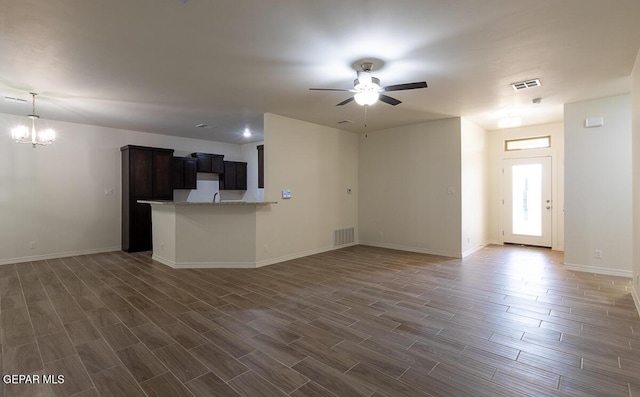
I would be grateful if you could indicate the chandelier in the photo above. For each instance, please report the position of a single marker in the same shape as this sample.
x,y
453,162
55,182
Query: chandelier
x,y
24,134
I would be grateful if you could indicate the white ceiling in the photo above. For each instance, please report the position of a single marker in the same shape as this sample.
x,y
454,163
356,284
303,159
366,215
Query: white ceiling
x,y
163,66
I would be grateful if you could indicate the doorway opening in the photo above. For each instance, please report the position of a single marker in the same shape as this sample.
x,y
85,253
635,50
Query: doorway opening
x,y
527,201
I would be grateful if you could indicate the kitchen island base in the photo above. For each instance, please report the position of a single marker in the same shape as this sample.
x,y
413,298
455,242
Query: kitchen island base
x,y
205,235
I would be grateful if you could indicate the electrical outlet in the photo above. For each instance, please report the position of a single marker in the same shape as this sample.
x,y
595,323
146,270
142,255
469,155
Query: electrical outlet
x,y
265,249
32,245
597,254
380,235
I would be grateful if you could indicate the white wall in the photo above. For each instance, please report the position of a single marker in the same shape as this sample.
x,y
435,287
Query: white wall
x,y
635,100
475,187
317,164
598,194
54,195
410,184
497,155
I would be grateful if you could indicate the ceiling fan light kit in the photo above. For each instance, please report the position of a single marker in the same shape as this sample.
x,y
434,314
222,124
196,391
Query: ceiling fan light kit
x,y
367,87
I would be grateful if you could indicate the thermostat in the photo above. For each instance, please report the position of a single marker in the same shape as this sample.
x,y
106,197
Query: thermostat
x,y
286,194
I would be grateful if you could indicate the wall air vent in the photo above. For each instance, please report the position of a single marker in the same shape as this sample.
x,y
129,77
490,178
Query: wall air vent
x,y
344,236
521,85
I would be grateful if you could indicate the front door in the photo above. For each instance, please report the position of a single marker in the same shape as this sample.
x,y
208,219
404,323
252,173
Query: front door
x,y
527,201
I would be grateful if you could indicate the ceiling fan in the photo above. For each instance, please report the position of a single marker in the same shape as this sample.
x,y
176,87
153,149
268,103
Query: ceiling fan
x,y
368,91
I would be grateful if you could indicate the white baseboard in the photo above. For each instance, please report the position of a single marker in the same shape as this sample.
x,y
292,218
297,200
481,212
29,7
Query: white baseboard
x,y
599,270
636,299
203,265
472,250
244,265
412,249
301,254
57,255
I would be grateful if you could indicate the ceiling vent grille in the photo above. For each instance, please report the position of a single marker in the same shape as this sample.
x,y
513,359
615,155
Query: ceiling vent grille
x,y
14,99
521,85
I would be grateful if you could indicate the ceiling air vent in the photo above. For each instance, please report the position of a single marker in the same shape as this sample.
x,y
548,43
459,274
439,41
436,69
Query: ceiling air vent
x,y
345,122
203,125
521,85
14,99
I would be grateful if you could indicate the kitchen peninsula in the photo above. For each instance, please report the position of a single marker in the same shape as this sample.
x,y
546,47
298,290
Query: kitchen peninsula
x,y
205,234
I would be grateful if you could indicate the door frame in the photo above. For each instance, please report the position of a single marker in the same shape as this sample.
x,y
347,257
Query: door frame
x,y
551,194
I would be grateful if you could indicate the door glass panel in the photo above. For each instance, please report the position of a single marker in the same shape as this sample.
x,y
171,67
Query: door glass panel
x,y
527,199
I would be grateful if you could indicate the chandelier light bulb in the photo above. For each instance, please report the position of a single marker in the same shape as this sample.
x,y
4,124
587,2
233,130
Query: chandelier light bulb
x,y
19,133
47,136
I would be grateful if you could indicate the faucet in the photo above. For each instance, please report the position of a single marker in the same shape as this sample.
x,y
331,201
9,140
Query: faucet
x,y
214,197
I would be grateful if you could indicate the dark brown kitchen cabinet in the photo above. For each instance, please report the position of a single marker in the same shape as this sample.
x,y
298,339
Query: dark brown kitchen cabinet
x,y
235,176
146,175
260,166
210,163
184,173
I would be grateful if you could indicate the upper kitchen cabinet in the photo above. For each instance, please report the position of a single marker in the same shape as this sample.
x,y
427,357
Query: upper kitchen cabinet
x,y
260,166
235,176
211,163
146,175
184,173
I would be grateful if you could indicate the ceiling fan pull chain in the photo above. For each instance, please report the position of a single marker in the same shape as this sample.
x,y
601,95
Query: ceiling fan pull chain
x,y
365,115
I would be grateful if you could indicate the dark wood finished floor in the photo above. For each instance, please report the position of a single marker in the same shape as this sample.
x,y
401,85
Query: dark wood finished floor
x,y
361,321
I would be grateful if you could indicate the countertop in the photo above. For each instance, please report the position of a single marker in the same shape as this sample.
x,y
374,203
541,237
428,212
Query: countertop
x,y
228,202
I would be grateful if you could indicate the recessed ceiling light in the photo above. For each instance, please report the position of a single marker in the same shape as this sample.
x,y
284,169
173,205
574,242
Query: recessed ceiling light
x,y
246,133
509,122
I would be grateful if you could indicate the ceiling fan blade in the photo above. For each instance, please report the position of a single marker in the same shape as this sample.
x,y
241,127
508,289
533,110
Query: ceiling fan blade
x,y
330,89
345,101
407,86
389,100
